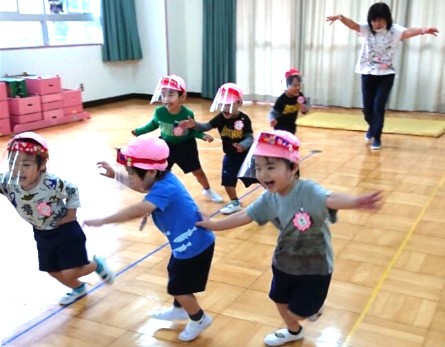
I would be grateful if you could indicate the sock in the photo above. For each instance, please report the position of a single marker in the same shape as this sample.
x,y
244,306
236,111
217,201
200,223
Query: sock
x,y
235,202
80,288
197,316
99,268
293,332
176,304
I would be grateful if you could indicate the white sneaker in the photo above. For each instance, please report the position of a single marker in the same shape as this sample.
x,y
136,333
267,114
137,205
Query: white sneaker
x,y
106,274
171,314
231,208
194,328
317,315
212,195
72,296
280,337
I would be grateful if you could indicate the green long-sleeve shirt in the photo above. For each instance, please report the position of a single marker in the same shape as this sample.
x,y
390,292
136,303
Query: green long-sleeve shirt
x,y
168,124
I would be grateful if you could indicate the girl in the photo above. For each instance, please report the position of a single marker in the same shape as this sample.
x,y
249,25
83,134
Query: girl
x,y
175,214
49,204
302,263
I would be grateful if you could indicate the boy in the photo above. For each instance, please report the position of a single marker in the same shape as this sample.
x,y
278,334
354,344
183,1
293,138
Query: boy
x,y
181,142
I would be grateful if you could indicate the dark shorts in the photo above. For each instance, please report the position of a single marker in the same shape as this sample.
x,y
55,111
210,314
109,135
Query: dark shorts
x,y
304,294
230,167
188,276
61,248
185,155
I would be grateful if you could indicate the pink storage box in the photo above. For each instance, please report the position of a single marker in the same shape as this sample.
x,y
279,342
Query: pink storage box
x,y
18,128
43,85
19,106
71,97
48,106
73,109
3,91
26,118
50,97
53,114
4,109
5,126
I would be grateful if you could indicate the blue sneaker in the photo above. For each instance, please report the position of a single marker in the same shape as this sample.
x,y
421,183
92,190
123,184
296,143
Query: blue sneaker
x,y
368,136
376,145
103,270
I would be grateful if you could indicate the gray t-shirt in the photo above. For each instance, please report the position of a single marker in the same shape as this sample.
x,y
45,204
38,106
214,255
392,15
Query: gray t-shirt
x,y
307,252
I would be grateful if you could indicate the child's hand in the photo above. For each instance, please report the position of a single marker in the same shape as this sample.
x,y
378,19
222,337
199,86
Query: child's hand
x,y
332,19
189,123
94,222
369,201
273,122
133,133
208,138
238,147
109,172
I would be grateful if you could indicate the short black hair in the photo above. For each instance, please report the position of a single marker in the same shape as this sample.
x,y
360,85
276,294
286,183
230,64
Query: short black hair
x,y
380,10
290,79
141,173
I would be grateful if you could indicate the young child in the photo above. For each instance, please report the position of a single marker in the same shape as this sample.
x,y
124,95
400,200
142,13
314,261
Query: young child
x,y
235,129
284,113
302,263
175,213
181,142
49,204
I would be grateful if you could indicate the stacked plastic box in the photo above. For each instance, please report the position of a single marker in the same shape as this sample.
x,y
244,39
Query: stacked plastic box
x,y
47,104
5,123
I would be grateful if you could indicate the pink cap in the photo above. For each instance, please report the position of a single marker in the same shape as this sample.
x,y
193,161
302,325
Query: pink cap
x,y
229,93
144,152
16,145
278,144
173,82
292,72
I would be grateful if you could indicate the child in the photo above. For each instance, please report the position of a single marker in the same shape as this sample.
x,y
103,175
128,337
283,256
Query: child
x,y
235,129
175,214
376,61
49,204
284,113
181,142
302,263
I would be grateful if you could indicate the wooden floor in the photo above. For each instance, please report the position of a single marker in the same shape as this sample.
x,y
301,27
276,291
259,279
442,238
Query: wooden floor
x,y
388,287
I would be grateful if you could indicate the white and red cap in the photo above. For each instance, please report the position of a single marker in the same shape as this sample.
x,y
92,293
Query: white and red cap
x,y
172,82
144,152
18,143
278,144
227,94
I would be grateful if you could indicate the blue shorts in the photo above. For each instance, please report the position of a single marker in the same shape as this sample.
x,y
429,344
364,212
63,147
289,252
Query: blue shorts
x,y
61,248
188,276
185,155
304,294
230,167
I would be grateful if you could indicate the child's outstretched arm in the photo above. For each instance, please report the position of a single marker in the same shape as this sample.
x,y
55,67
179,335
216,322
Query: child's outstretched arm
x,y
230,222
138,210
369,201
411,32
109,171
346,21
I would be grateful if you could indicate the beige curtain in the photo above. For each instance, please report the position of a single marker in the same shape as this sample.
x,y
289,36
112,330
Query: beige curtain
x,y
274,35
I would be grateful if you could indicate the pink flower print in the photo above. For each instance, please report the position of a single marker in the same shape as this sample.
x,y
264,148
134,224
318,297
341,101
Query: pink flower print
x,y
44,209
302,221
238,125
178,131
301,99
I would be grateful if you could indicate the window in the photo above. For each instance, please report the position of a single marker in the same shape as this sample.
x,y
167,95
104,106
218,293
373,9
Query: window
x,y
33,23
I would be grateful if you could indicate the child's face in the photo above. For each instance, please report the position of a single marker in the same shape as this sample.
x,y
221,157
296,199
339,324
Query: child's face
x,y
231,110
274,174
138,184
24,167
293,89
171,100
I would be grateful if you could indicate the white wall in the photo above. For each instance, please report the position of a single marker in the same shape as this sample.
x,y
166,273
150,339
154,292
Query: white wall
x,y
83,64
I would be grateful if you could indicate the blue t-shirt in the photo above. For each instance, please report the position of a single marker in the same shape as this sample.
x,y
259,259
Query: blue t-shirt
x,y
176,215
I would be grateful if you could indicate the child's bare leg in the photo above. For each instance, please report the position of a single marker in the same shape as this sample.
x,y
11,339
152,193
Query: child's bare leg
x,y
189,303
291,320
202,178
70,277
231,192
